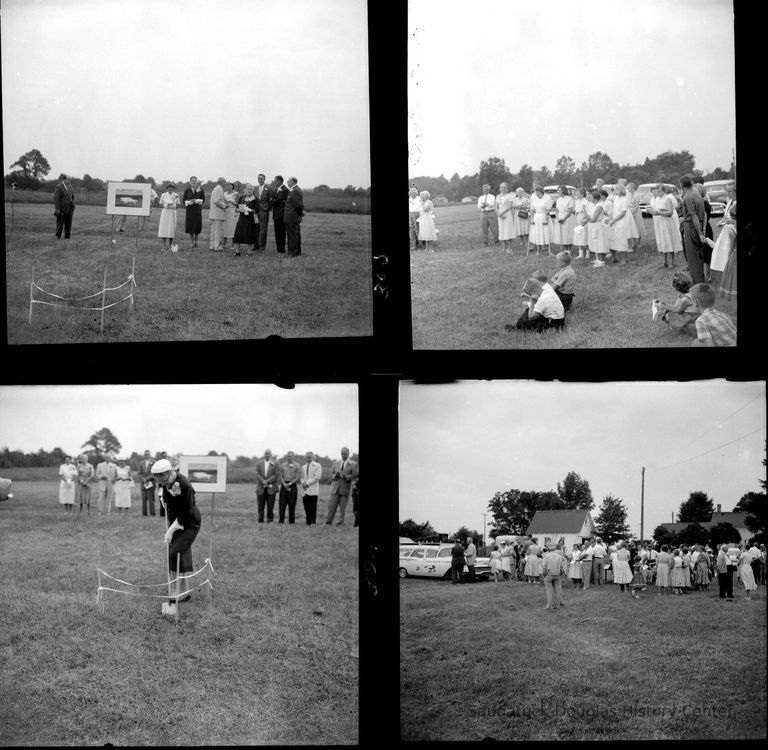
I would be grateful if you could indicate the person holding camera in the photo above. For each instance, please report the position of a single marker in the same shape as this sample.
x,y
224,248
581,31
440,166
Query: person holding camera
x,y
64,207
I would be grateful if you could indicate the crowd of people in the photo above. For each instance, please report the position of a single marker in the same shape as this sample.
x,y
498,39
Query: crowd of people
x,y
112,482
634,568
237,221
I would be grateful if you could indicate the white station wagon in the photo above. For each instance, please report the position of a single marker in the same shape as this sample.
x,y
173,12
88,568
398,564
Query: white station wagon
x,y
434,561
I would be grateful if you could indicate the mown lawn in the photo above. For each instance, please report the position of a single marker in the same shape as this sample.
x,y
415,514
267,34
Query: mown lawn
x,y
271,656
191,295
463,294
486,660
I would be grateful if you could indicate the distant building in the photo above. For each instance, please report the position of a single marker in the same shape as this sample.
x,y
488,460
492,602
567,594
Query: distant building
x,y
572,526
469,199
736,519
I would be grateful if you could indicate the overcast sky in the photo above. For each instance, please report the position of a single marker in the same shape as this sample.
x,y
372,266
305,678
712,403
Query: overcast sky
x,y
531,82
240,420
179,87
461,443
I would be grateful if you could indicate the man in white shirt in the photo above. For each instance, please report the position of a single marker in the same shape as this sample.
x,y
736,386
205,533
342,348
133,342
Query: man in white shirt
x,y
551,572
586,563
414,209
310,474
217,214
545,310
486,204
470,555
106,475
598,555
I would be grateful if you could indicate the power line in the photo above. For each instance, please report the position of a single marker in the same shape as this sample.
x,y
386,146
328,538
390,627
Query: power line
x,y
711,450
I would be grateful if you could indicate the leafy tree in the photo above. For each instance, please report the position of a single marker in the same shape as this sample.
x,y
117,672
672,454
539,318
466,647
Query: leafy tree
x,y
463,532
513,510
322,188
543,176
101,442
525,177
494,172
723,532
575,492
565,170
698,507
417,531
33,164
755,505
662,535
611,521
693,533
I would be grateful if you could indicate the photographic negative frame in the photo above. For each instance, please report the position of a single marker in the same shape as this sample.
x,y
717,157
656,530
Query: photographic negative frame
x,y
205,473
129,198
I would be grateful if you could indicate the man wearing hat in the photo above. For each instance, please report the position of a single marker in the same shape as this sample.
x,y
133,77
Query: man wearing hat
x,y
106,475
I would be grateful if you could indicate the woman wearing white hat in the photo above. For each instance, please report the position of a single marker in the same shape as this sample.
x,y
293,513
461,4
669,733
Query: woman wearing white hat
x,y
178,496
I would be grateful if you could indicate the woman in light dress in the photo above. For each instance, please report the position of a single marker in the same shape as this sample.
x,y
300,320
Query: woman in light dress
x,y
574,568
723,260
504,212
565,219
522,224
619,225
746,574
68,473
636,226
606,201
167,227
427,231
85,472
230,215
541,204
123,485
580,231
532,569
622,573
495,563
663,562
677,573
508,561
665,226
701,574
595,235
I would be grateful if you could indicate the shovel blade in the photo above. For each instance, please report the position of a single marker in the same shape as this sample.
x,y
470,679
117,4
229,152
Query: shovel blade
x,y
169,609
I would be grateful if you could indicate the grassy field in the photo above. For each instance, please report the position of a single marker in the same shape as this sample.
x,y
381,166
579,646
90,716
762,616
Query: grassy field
x,y
192,295
486,660
270,656
464,294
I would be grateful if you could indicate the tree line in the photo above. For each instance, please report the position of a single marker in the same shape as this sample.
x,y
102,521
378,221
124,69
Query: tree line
x,y
513,510
668,167
33,167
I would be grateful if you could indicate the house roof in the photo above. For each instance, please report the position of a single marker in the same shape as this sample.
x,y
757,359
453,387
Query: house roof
x,y
562,521
737,520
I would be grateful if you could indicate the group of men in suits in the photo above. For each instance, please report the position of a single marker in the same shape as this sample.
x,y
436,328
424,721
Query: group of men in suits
x,y
283,199
285,478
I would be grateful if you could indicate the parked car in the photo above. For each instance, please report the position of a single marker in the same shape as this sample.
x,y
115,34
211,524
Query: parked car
x,y
434,561
718,208
717,190
644,194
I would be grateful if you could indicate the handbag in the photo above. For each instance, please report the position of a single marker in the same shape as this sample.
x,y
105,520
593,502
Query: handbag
x,y
522,213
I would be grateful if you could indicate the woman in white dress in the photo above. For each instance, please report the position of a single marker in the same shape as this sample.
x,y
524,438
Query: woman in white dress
x,y
427,231
520,207
595,234
580,232
622,572
619,224
540,207
504,212
67,472
746,574
665,226
574,568
565,219
636,226
606,201
532,569
167,228
123,485
230,219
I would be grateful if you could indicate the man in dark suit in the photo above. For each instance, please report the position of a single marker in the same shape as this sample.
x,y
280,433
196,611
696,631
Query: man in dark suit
x,y
64,205
148,485
342,474
267,483
277,203
264,194
292,215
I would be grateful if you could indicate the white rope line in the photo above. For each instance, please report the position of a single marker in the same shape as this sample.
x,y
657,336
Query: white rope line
x,y
130,280
69,307
206,564
157,596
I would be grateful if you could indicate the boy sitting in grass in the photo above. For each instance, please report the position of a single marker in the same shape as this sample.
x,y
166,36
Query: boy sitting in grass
x,y
563,281
544,309
713,328
680,315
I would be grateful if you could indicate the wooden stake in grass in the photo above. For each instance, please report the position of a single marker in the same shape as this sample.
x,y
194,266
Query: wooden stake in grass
x,y
103,299
31,294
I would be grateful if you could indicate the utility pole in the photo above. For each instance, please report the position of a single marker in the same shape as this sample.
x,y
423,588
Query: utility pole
x,y
484,515
642,502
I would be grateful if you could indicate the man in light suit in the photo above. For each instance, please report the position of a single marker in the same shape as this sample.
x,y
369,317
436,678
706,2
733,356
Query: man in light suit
x,y
342,474
264,194
217,213
148,485
309,475
292,215
267,485
277,203
64,207
106,475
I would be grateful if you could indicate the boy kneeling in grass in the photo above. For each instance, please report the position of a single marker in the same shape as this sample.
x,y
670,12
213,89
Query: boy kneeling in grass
x,y
563,281
680,315
713,328
543,309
